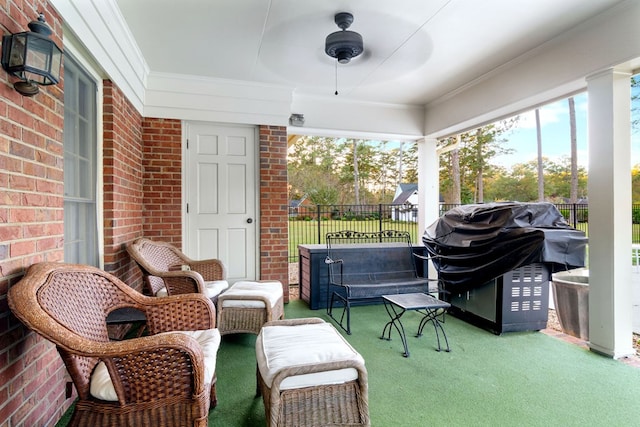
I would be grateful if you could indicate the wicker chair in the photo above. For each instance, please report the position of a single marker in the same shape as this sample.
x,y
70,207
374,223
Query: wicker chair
x,y
167,271
159,379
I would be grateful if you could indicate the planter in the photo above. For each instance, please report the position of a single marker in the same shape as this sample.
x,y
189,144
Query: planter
x,y
571,299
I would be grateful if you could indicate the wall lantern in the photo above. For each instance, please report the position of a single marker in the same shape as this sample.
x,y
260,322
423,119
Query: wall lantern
x,y
32,57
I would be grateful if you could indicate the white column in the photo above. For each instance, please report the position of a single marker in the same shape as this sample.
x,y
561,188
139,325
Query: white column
x,y
428,184
610,296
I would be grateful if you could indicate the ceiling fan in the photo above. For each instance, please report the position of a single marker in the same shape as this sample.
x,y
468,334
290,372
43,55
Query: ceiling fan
x,y
343,45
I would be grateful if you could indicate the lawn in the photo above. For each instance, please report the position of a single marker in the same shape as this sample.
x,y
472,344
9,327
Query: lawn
x,y
312,231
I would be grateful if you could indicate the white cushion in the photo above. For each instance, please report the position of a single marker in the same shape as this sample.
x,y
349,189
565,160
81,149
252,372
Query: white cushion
x,y
102,387
270,290
212,289
280,347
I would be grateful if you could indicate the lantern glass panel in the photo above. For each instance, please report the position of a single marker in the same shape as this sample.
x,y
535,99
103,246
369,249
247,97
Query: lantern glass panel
x,y
18,46
56,63
38,59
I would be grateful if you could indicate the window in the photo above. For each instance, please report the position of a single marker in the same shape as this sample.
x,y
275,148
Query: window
x,y
80,165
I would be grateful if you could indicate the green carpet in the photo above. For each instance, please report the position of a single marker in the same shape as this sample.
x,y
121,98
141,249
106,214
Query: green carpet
x,y
517,379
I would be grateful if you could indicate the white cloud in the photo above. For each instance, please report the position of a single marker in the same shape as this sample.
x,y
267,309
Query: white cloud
x,y
551,113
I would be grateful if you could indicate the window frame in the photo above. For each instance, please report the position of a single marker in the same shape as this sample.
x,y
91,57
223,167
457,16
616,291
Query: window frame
x,y
82,61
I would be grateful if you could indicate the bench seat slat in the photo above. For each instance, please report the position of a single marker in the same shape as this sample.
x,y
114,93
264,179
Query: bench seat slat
x,y
376,290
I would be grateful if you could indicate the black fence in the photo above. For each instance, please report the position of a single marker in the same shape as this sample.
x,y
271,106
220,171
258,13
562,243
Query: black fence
x,y
309,224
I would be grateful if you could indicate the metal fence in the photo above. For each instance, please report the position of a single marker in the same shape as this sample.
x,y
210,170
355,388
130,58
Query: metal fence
x,y
310,224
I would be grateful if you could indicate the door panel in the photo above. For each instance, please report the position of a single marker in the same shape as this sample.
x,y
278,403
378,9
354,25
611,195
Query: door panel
x,y
220,191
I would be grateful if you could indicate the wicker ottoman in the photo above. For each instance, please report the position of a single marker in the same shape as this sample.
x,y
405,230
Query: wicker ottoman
x,y
309,375
246,306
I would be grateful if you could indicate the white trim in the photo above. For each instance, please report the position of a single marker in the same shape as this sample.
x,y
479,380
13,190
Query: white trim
x,y
197,98
329,116
258,212
99,26
331,133
554,70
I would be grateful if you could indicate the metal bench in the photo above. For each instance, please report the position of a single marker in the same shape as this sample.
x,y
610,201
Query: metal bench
x,y
361,277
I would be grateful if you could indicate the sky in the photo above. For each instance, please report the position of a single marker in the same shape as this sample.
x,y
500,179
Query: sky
x,y
556,136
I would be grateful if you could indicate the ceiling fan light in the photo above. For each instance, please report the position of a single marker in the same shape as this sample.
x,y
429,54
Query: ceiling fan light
x,y
344,56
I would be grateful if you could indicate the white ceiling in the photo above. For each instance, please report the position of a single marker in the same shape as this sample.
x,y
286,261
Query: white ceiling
x,y
416,51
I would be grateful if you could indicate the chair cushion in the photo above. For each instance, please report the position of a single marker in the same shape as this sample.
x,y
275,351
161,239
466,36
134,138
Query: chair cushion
x,y
209,340
270,290
281,347
212,289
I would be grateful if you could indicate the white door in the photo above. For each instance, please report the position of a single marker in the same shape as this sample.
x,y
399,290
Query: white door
x,y
220,191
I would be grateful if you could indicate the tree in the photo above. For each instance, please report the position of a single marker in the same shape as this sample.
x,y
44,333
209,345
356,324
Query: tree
x,y
635,184
573,194
410,162
399,181
540,167
356,176
312,168
518,184
359,170
455,174
635,103
476,150
558,179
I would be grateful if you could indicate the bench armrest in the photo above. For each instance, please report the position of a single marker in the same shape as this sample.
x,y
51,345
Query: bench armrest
x,y
328,260
441,288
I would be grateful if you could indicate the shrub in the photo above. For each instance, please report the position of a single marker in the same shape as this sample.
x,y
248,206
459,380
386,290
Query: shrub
x,y
583,215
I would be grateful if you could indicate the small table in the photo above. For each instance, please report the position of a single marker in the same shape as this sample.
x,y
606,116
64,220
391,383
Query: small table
x,y
428,306
127,315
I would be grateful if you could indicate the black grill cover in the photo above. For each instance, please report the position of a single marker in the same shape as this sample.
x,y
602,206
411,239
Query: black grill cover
x,y
473,244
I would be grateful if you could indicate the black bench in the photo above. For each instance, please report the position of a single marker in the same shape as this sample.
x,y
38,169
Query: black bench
x,y
364,277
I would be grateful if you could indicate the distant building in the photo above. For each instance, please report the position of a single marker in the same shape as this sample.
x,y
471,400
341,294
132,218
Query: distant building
x,y
296,204
405,203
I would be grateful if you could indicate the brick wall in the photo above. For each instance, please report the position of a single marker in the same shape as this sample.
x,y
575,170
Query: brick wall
x,y
32,376
163,180
123,183
142,197
274,228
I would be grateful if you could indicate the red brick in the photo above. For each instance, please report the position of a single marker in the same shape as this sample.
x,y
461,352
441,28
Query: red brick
x,y
22,248
10,232
18,182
